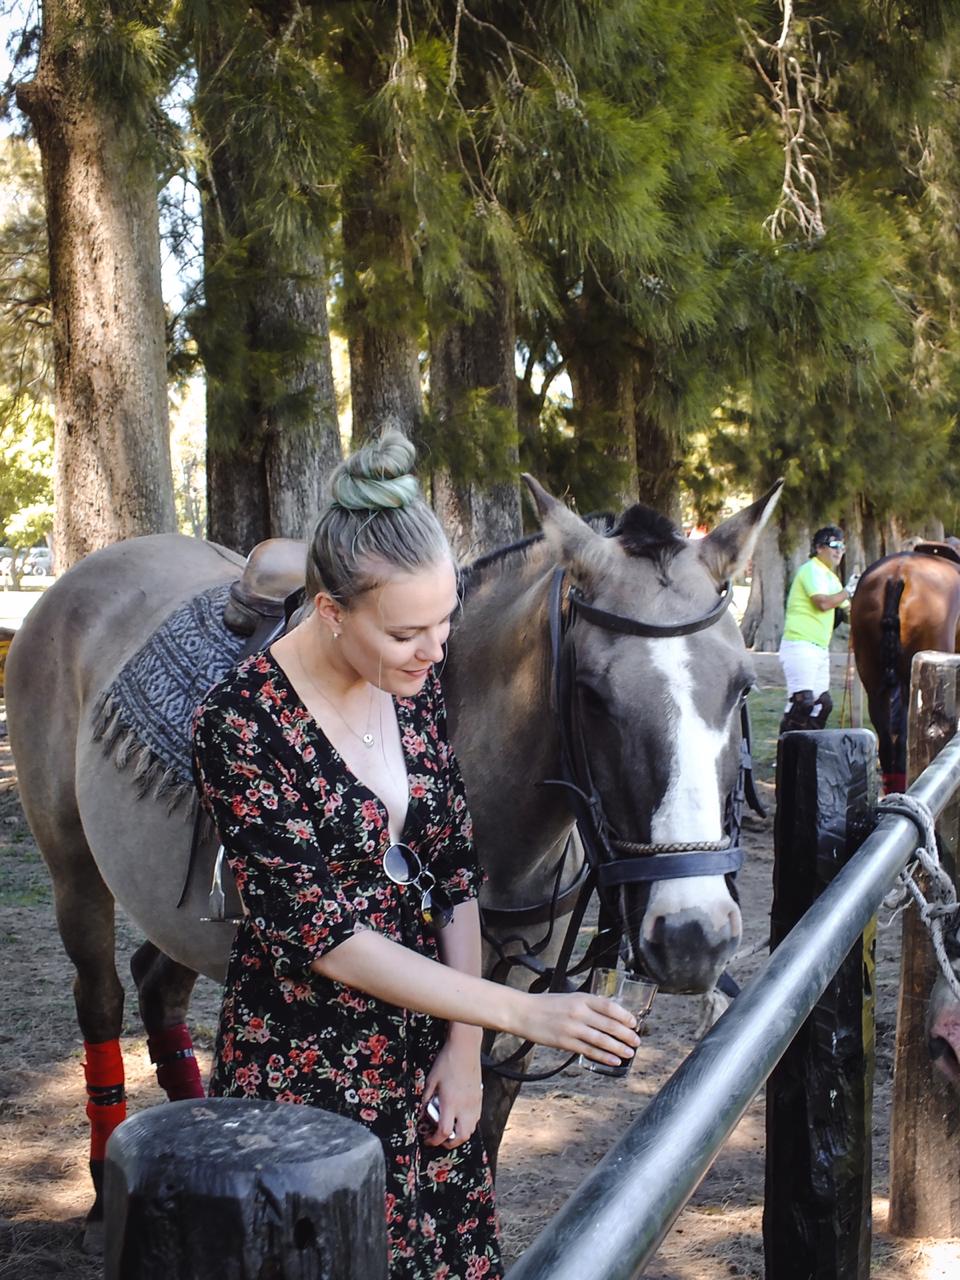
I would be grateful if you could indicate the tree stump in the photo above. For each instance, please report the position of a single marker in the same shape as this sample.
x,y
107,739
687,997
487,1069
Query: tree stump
x,y
925,1124
243,1190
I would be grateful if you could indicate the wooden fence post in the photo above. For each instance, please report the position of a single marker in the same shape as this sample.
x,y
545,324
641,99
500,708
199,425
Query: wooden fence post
x,y
817,1204
240,1190
925,1127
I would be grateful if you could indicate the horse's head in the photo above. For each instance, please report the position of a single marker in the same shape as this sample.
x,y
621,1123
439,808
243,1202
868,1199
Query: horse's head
x,y
657,717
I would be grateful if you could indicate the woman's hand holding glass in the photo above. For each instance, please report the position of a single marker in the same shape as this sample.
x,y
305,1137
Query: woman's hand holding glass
x,y
597,1027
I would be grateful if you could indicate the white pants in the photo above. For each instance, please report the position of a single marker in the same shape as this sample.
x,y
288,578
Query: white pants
x,y
805,666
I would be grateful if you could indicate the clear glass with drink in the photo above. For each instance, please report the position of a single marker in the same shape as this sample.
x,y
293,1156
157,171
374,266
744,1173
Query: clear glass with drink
x,y
635,994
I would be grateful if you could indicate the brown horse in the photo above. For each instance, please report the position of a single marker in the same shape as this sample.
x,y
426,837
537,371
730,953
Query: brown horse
x,y
903,604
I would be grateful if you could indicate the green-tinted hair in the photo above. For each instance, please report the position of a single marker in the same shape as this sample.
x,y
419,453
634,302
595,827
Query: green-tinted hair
x,y
376,516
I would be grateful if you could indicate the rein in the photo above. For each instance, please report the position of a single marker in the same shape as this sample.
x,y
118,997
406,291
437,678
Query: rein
x,y
602,870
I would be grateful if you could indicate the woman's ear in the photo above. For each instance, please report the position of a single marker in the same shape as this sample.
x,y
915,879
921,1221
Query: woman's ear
x,y
329,611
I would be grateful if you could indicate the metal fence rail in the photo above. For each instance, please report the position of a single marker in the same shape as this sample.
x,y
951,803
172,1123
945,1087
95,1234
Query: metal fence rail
x,y
612,1225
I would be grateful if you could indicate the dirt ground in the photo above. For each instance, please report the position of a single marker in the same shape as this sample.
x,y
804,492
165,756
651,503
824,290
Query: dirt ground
x,y
558,1130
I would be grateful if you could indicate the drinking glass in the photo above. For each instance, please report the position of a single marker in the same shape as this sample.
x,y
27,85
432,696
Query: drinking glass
x,y
636,996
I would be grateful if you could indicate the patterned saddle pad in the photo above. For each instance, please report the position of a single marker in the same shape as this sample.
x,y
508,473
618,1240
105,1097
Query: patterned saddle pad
x,y
143,718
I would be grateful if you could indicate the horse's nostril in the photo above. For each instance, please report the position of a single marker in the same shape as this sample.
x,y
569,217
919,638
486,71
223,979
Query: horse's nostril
x,y
938,1048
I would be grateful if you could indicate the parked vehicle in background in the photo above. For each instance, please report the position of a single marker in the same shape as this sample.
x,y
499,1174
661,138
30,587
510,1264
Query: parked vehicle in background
x,y
39,562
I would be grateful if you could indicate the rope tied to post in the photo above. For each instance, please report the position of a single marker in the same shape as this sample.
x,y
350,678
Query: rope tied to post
x,y
941,907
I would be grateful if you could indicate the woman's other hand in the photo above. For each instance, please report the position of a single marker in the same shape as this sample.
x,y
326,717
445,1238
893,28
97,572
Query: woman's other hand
x,y
454,1080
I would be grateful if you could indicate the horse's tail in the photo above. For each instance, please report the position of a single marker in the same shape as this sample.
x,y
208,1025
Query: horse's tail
x,y
893,759
890,632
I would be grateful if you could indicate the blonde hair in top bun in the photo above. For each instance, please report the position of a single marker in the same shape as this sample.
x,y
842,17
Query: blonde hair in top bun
x,y
376,516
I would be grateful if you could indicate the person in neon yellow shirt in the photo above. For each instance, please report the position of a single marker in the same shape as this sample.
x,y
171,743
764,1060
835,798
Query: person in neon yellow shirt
x,y
805,649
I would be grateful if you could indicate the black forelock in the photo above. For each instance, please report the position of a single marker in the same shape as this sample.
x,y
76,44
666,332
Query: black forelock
x,y
642,531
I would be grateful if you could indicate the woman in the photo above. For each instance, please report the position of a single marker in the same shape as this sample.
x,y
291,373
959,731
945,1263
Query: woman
x,y
354,979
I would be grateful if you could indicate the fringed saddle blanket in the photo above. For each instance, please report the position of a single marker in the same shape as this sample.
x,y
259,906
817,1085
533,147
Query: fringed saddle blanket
x,y
144,717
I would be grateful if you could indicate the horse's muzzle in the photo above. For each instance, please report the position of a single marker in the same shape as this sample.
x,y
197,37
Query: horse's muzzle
x,y
688,950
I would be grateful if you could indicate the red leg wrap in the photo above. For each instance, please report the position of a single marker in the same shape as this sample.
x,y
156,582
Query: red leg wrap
x,y
106,1101
171,1051
894,782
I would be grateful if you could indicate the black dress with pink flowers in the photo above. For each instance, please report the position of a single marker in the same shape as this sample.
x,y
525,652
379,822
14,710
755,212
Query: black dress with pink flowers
x,y
305,839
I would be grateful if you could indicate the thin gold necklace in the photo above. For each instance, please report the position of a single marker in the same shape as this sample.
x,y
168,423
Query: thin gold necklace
x,y
367,739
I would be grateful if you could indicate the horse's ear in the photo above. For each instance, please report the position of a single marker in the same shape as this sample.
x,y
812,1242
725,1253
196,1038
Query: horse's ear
x,y
730,545
576,545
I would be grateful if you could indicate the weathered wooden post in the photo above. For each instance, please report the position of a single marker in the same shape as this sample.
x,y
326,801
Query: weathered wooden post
x,y
243,1190
925,1128
816,1217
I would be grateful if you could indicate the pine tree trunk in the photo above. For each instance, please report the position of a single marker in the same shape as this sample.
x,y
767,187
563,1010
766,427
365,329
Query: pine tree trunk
x,y
658,468
601,369
658,452
605,414
384,353
872,542
855,560
467,357
762,625
382,308
801,537
273,436
267,463
892,536
112,472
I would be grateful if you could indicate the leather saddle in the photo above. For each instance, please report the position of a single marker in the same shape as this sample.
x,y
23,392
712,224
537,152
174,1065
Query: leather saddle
x,y
942,550
258,600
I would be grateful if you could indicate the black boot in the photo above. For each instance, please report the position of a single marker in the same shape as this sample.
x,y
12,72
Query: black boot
x,y
819,721
798,715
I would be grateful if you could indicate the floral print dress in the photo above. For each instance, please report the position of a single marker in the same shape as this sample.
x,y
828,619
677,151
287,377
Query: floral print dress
x,y
304,839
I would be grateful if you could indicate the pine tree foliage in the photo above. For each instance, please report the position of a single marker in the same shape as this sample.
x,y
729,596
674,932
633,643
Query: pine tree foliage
x,y
846,350
25,369
617,167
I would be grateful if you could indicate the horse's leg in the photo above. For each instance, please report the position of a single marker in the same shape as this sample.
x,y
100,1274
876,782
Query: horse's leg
x,y
85,917
164,988
499,1095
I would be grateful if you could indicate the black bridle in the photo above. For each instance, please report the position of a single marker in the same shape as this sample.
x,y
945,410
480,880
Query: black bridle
x,y
603,871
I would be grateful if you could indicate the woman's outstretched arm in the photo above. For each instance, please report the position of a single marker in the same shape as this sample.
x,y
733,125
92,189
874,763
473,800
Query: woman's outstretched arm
x,y
577,1023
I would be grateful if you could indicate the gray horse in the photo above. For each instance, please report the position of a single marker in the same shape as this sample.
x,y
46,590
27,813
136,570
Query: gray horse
x,y
659,719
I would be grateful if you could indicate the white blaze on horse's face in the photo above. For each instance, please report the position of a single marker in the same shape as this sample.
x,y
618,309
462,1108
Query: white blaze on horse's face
x,y
691,810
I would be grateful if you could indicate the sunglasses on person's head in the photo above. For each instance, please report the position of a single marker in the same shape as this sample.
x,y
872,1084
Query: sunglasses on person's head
x,y
402,865
835,544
